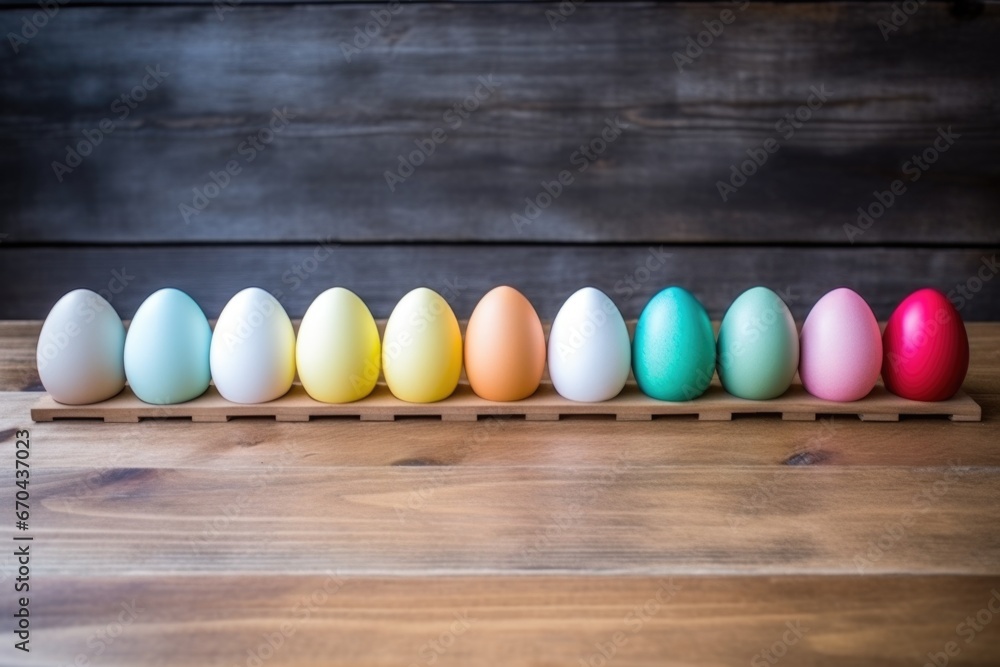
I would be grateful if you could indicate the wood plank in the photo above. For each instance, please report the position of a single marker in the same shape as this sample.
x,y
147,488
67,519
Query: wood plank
x,y
750,441
18,370
540,620
465,406
420,520
547,275
503,442
323,176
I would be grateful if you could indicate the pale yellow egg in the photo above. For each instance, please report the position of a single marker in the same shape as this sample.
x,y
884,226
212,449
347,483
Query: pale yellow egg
x,y
338,351
422,348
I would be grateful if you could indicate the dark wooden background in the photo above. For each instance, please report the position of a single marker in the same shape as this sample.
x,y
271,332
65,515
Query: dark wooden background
x,y
651,194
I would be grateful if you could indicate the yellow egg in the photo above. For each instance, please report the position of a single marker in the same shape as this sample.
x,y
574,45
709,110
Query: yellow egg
x,y
422,348
338,349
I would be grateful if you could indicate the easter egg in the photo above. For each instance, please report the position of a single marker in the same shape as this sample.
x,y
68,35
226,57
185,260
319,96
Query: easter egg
x,y
80,353
253,349
504,346
673,353
758,348
926,348
589,353
338,352
840,347
422,348
167,349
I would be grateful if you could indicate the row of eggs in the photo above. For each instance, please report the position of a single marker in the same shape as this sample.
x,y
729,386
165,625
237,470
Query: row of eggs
x,y
170,354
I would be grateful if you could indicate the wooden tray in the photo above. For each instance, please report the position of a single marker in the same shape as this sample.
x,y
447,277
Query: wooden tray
x,y
544,405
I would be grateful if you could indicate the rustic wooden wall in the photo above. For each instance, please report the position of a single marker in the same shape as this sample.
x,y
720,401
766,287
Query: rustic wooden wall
x,y
312,208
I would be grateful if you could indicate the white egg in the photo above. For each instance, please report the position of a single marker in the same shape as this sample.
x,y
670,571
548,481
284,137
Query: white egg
x,y
589,350
253,349
81,349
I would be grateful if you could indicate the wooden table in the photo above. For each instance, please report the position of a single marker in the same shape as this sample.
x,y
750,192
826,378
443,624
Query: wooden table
x,y
419,542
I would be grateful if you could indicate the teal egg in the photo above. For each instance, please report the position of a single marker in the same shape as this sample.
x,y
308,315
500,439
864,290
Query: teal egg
x,y
673,352
758,346
167,349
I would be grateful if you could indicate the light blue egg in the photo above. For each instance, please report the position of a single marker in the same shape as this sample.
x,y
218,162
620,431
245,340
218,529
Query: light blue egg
x,y
167,349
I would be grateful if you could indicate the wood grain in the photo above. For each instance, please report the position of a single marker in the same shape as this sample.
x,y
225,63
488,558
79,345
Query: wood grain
x,y
544,405
419,520
547,534
541,620
323,175
546,274
749,441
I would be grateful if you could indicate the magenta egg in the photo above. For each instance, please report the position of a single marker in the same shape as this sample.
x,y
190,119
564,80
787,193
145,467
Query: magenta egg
x,y
840,347
926,348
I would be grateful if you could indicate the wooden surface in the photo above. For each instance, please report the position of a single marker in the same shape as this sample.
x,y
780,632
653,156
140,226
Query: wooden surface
x,y
544,405
323,176
509,542
33,279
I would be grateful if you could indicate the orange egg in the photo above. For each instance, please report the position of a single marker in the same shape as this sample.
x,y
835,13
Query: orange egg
x,y
504,346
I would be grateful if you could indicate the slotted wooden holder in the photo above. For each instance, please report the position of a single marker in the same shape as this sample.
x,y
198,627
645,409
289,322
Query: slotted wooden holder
x,y
544,405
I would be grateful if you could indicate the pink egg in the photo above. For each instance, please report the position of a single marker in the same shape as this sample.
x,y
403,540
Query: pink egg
x,y
840,347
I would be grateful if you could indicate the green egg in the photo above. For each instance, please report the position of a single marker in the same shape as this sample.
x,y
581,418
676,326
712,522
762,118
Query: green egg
x,y
758,346
673,352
